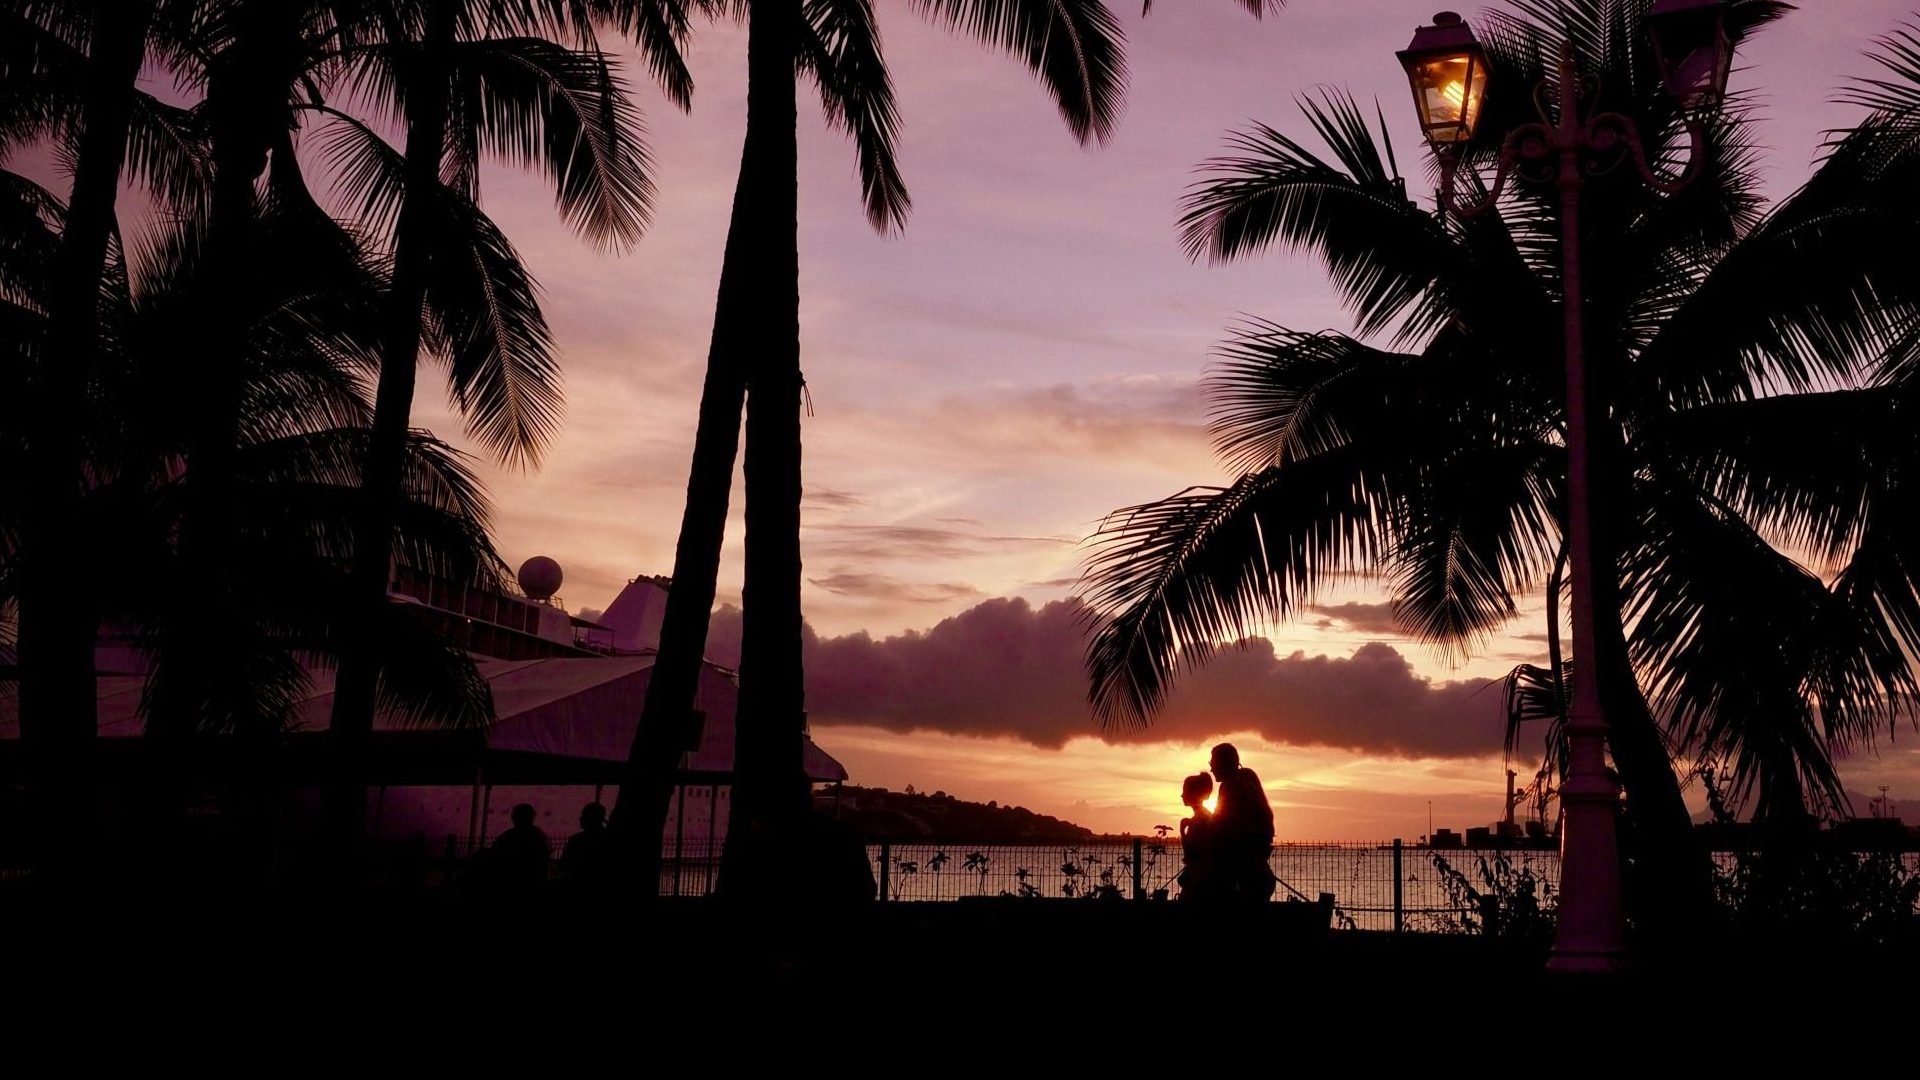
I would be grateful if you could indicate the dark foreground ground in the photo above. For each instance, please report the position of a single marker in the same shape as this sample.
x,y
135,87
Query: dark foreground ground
x,y
278,983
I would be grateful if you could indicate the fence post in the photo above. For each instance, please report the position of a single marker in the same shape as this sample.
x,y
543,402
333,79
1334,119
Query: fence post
x,y
679,832
1139,892
1399,886
886,864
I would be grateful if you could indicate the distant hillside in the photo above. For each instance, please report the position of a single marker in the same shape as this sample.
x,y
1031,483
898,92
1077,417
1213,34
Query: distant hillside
x,y
879,814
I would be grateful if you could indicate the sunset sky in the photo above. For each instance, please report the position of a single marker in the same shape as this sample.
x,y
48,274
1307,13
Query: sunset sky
x,y
1022,360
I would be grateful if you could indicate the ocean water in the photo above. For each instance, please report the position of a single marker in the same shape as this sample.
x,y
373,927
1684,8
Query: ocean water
x,y
1360,876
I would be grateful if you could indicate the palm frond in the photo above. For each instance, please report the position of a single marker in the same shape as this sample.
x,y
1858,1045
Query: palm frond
x,y
1255,8
1381,250
1279,395
167,152
367,170
1534,693
1166,581
1896,93
427,681
566,112
1472,530
1075,47
1801,303
41,72
840,48
487,324
30,222
1806,470
1747,655
662,30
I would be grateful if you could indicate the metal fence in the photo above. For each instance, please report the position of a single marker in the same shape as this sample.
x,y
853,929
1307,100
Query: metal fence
x,y
1375,886
1387,885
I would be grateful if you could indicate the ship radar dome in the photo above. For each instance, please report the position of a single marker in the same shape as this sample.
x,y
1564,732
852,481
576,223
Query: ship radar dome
x,y
540,578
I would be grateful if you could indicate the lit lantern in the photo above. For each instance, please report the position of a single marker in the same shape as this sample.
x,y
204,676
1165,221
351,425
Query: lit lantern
x,y
1448,71
1690,43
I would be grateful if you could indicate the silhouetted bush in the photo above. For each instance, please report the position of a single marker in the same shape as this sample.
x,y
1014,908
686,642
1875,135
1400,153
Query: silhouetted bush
x,y
1807,890
1497,899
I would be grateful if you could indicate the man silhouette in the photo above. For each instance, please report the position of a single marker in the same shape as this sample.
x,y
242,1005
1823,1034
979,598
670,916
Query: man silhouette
x,y
584,861
1243,828
520,855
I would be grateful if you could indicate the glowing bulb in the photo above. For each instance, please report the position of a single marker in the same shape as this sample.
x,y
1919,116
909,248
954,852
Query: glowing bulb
x,y
1455,92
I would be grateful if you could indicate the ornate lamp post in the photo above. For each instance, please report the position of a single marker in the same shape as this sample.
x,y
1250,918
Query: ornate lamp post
x,y
1449,75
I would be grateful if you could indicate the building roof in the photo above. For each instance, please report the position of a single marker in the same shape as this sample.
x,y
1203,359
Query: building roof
x,y
557,720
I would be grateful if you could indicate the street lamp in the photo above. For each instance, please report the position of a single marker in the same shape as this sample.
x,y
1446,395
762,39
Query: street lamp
x,y
1690,43
1448,70
1448,73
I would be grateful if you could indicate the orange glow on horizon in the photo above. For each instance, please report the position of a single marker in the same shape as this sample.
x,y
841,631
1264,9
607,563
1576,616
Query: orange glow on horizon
x,y
1318,793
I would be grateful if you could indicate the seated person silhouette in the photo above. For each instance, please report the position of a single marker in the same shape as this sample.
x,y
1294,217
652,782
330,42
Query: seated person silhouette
x,y
518,859
1199,880
583,862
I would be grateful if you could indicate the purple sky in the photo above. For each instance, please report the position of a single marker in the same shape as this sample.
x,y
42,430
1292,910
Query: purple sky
x,y
1021,361
1024,359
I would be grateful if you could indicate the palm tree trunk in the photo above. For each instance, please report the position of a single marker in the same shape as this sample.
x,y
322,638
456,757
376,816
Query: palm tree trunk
x,y
748,277
1669,884
1556,656
198,686
193,669
770,788
191,658
58,717
357,685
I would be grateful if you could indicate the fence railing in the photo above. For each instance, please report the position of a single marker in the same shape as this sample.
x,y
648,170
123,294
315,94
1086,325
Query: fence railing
x,y
1388,885
1375,886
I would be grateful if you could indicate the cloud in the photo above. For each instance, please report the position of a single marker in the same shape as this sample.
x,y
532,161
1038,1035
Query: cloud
x,y
1362,618
1005,668
829,499
912,542
1125,416
882,587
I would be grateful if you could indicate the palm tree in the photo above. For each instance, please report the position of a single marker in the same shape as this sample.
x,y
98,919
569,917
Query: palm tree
x,y
69,69
1437,462
304,327
255,62
1075,50
465,79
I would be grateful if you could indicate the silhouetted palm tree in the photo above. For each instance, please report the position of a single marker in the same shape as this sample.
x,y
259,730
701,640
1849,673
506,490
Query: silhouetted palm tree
x,y
304,327
1075,48
1716,325
258,65
465,79
307,337
68,68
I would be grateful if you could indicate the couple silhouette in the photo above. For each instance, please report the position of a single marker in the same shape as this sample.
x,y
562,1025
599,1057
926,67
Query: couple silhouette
x,y
1226,848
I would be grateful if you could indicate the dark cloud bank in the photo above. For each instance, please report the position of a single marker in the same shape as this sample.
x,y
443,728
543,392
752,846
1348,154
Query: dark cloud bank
x,y
1004,668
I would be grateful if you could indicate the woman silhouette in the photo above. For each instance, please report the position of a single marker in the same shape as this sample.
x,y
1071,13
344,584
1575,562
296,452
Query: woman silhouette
x,y
1199,842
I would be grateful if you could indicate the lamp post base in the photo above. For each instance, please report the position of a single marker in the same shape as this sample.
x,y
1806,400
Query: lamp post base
x,y
1581,964
1590,938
